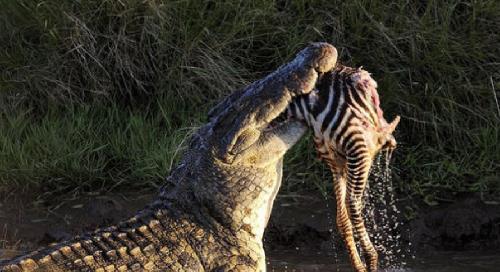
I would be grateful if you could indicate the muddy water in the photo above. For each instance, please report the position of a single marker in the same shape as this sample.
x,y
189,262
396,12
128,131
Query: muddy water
x,y
300,237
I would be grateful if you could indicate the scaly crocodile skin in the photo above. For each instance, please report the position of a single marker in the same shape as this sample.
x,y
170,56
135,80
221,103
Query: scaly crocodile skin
x,y
211,214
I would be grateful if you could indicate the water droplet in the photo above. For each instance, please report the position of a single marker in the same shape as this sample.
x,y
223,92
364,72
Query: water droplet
x,y
381,215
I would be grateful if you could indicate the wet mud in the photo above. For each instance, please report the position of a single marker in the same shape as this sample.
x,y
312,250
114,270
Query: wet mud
x,y
469,223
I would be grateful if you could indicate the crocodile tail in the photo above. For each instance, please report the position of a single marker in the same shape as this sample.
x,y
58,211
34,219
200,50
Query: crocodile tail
x,y
141,243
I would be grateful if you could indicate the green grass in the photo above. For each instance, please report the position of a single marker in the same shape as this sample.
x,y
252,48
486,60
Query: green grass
x,y
96,94
92,149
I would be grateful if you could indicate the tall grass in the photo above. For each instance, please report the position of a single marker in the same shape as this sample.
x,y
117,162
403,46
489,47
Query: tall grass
x,y
92,149
96,93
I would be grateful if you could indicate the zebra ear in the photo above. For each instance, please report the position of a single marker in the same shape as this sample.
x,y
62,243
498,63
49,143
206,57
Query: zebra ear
x,y
392,126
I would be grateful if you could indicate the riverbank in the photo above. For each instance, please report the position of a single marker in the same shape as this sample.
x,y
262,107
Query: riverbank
x,y
301,233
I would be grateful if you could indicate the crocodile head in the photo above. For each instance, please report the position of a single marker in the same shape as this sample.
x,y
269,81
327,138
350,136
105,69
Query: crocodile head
x,y
233,164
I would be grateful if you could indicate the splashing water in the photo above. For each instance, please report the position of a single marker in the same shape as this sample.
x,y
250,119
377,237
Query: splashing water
x,y
382,217
332,231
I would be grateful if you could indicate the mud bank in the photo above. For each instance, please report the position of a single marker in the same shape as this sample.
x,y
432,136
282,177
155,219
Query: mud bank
x,y
467,224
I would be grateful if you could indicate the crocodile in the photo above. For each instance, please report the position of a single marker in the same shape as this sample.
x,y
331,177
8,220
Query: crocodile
x,y
211,212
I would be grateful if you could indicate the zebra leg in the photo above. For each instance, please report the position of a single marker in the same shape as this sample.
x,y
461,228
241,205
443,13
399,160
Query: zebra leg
x,y
344,224
357,174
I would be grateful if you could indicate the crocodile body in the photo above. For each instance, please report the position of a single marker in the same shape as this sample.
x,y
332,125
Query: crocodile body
x,y
212,211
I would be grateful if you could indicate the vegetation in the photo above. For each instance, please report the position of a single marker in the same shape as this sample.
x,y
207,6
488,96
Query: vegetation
x,y
101,94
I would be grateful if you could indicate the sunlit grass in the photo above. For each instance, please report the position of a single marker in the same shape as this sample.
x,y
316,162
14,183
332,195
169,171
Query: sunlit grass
x,y
93,149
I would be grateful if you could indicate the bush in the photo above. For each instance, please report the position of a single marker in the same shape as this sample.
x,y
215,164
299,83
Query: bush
x,y
436,63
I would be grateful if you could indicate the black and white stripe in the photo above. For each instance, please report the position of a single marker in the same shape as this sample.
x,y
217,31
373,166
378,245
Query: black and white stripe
x,y
343,112
338,109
